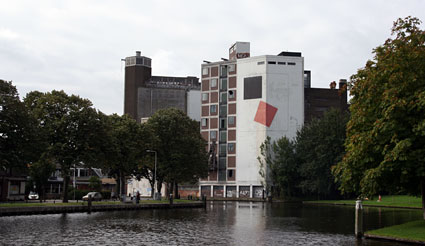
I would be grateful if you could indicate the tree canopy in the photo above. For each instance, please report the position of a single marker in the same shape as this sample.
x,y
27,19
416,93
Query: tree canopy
x,y
386,133
181,149
71,130
18,132
302,167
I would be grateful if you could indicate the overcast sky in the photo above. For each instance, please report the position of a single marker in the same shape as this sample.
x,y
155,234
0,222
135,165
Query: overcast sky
x,y
77,46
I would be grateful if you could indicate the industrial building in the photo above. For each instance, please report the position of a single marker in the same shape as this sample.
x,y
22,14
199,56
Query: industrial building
x,y
144,94
247,99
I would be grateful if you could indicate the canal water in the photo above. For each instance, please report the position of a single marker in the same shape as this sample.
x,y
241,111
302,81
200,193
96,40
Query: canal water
x,y
221,223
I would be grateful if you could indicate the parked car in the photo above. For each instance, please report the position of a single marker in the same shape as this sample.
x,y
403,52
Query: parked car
x,y
95,196
33,196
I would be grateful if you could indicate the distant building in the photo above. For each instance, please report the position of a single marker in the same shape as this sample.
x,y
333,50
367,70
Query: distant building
x,y
319,100
144,94
246,99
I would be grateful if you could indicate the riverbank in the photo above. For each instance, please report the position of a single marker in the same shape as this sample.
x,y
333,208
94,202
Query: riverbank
x,y
411,232
54,208
399,201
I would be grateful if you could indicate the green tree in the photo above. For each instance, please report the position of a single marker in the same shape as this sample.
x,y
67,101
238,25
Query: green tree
x,y
278,167
39,172
319,145
95,184
71,127
18,133
386,133
182,156
126,145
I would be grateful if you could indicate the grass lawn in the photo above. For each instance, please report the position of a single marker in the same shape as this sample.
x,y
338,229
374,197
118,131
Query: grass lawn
x,y
36,204
412,231
387,201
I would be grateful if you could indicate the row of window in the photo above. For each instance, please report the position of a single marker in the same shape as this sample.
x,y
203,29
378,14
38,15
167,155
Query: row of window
x,y
223,70
224,148
278,63
230,119
223,96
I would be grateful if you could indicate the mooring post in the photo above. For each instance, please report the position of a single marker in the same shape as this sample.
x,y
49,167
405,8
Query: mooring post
x,y
89,203
358,227
204,200
171,199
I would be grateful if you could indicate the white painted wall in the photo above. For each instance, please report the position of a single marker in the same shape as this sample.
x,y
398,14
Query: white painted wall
x,y
283,88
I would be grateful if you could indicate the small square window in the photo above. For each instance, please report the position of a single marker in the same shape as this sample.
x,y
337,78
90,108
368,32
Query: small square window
x,y
231,120
272,62
232,67
205,71
231,94
231,147
213,83
213,135
213,109
260,63
291,63
230,173
223,123
204,122
204,96
223,71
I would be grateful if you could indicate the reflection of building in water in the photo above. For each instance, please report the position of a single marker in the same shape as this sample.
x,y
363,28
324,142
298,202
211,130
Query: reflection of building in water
x,y
246,99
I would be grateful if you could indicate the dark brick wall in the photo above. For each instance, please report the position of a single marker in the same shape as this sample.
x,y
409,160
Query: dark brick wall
x,y
317,101
135,76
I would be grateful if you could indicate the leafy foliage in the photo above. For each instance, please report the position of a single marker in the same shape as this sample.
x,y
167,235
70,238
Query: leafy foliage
x,y
18,132
302,167
71,130
386,132
181,149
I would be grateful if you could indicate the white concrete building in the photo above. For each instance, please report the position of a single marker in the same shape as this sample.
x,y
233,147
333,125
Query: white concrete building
x,y
244,100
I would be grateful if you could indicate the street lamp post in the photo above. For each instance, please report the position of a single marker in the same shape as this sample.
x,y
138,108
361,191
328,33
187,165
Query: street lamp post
x,y
154,177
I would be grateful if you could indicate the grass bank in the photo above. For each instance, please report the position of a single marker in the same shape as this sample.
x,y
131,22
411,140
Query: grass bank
x,y
399,201
412,231
38,204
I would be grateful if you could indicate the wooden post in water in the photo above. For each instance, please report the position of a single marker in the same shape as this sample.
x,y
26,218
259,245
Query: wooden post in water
x,y
358,227
89,203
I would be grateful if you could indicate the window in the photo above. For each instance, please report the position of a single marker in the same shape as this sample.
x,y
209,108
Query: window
x,y
281,63
204,96
222,149
232,67
272,62
291,63
231,120
231,94
223,123
223,97
260,63
213,109
223,136
223,71
205,71
252,87
223,84
230,173
223,110
213,135
204,122
231,147
213,83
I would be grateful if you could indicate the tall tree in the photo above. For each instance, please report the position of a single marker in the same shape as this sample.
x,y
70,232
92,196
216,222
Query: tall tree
x,y
386,133
18,134
319,145
181,149
39,172
72,128
278,167
126,147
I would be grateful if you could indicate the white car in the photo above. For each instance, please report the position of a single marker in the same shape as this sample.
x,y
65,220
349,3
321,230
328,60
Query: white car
x,y
95,196
33,196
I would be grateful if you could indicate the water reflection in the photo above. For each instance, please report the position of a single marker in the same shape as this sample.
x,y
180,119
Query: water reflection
x,y
221,223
